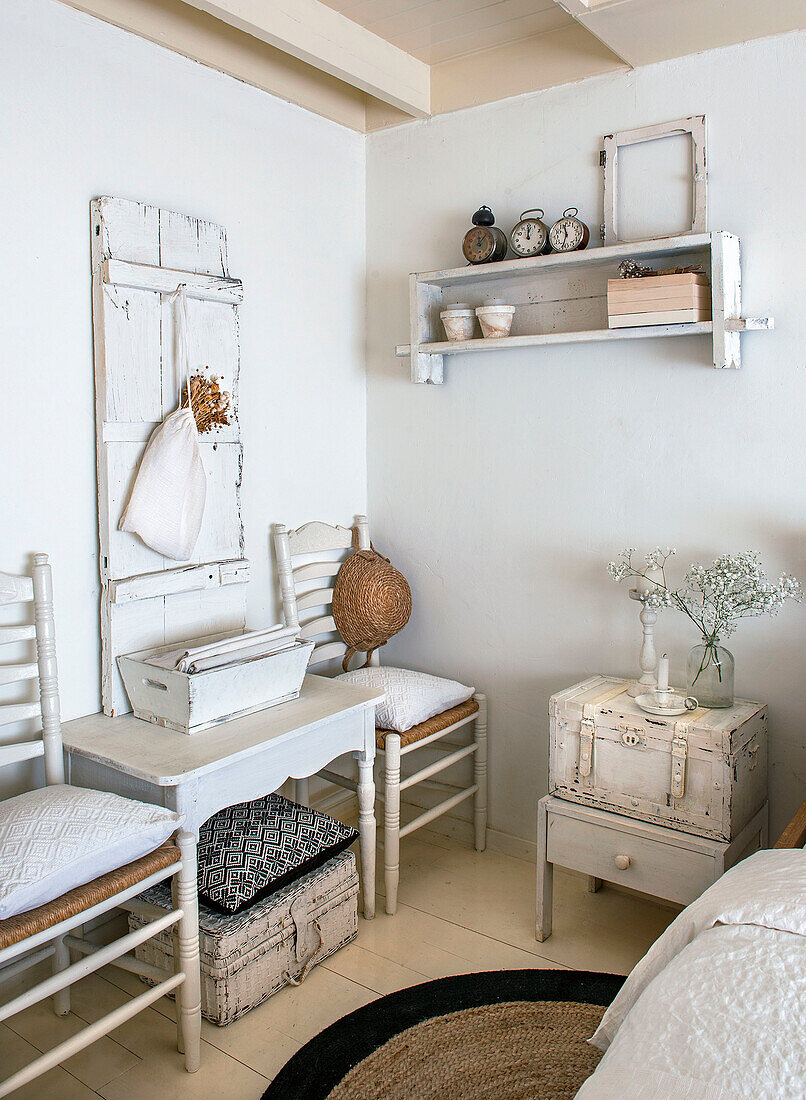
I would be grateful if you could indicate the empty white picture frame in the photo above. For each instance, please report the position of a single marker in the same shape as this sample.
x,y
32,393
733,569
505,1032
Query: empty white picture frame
x,y
695,127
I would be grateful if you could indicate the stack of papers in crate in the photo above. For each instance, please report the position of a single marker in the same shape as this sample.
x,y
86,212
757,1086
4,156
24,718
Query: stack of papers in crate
x,y
227,651
205,681
658,300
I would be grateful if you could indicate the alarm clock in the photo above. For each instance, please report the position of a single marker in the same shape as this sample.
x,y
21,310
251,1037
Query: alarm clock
x,y
568,233
530,237
485,242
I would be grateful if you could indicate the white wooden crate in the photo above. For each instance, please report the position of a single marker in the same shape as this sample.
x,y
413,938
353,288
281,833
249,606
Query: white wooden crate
x,y
703,773
193,702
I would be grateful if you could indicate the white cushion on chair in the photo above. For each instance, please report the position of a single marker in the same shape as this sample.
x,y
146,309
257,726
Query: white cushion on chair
x,y
56,838
411,697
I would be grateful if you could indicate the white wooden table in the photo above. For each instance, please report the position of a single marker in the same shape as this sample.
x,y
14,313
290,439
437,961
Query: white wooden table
x,y
239,760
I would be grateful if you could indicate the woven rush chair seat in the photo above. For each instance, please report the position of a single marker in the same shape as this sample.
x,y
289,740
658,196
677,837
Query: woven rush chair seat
x,y
17,928
431,725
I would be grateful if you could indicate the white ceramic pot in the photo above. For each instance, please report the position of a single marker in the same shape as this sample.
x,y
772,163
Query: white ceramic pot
x,y
459,322
495,319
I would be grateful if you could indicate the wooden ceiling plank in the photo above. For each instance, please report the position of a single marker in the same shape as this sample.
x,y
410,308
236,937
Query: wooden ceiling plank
x,y
444,19
316,34
366,11
512,30
527,65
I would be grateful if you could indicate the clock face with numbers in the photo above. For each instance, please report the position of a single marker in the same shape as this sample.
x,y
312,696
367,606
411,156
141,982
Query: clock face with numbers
x,y
568,233
484,244
479,244
530,235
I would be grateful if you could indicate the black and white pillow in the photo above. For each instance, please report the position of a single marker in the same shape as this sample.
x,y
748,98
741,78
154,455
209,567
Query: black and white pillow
x,y
248,851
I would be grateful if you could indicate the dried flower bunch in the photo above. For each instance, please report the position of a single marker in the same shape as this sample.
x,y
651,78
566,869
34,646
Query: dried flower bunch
x,y
714,597
211,404
632,269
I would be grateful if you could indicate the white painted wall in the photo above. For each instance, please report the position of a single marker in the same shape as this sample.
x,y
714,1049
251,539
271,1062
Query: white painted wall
x,y
90,110
502,494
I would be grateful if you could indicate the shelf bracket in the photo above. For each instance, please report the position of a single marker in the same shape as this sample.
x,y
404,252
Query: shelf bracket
x,y
749,324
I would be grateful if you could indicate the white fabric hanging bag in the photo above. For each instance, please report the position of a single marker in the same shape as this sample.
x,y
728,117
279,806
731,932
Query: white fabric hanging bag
x,y
166,505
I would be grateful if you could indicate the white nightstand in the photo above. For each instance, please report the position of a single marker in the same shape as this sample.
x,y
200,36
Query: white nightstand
x,y
654,859
661,805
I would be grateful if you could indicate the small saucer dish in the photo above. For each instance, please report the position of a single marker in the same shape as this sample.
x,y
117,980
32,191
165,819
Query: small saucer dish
x,y
677,704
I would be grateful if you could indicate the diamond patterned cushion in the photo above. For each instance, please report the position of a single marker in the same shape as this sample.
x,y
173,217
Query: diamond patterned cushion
x,y
57,838
246,852
411,697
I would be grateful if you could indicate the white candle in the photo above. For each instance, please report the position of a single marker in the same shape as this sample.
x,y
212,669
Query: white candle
x,y
663,673
648,583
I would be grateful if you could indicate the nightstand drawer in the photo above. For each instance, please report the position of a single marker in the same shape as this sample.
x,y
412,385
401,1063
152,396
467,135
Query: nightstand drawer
x,y
648,858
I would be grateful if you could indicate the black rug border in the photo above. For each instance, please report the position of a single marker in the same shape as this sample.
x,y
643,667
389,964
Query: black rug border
x,y
315,1070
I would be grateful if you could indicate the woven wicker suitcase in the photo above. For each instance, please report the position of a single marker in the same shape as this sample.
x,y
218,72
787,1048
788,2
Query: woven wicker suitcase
x,y
248,956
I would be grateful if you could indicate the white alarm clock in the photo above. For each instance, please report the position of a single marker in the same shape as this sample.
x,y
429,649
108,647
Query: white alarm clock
x,y
530,237
569,233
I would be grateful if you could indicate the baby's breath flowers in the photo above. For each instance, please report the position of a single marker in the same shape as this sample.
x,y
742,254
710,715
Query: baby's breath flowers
x,y
714,597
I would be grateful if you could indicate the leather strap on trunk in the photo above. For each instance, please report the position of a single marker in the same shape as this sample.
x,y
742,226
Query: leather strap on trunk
x,y
587,729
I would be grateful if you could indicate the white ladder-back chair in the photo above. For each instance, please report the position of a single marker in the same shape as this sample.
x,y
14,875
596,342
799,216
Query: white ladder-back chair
x,y
54,929
307,604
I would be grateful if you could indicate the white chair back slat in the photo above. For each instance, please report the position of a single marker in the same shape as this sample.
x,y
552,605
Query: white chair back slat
x,y
18,712
10,634
327,651
323,625
23,750
13,674
315,537
317,597
316,570
14,589
39,588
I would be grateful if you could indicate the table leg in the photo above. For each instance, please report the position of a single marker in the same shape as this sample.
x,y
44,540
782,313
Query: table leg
x,y
302,792
545,876
366,830
188,995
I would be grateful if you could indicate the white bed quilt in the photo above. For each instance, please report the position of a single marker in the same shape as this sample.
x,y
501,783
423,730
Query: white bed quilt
x,y
717,1007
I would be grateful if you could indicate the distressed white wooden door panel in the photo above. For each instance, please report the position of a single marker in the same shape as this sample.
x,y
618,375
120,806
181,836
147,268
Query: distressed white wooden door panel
x,y
148,599
126,230
127,555
132,321
191,244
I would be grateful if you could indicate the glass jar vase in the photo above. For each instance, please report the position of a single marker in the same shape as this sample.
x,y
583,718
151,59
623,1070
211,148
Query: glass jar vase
x,y
710,674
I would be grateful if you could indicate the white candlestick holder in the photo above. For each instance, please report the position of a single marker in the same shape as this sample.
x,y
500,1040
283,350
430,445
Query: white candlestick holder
x,y
648,659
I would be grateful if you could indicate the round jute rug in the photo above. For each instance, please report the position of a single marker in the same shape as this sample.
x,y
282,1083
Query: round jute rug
x,y
499,1035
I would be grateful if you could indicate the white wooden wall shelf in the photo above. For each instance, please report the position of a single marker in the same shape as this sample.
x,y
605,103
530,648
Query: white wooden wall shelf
x,y
562,299
140,254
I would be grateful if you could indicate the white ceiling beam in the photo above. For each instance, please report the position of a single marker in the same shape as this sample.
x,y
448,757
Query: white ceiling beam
x,y
643,32
322,37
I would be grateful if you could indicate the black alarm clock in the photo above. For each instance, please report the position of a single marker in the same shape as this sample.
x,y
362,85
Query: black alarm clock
x,y
485,242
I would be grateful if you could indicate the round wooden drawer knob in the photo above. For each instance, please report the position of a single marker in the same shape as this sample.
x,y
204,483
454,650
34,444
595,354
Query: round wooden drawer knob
x,y
622,862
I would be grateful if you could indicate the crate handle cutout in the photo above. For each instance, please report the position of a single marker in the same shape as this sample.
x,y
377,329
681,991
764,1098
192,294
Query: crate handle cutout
x,y
155,684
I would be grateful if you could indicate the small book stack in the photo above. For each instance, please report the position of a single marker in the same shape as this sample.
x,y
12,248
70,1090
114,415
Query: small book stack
x,y
658,300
